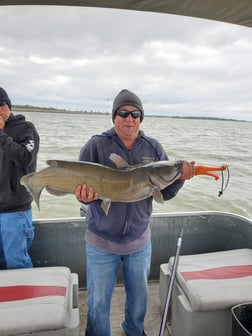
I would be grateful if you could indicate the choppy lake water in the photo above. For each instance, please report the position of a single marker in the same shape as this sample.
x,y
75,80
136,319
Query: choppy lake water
x,y
208,142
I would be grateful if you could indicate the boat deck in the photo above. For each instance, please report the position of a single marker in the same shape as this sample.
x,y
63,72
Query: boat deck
x,y
153,318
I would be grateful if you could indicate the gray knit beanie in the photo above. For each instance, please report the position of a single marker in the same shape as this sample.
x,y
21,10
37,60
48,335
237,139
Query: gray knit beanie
x,y
4,98
126,97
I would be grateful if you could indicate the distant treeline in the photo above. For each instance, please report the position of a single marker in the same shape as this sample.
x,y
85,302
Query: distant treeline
x,y
29,108
195,117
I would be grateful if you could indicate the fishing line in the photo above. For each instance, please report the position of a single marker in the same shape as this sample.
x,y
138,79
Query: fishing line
x,y
223,188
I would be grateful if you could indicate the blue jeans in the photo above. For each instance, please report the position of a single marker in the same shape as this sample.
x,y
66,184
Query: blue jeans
x,y
16,235
102,269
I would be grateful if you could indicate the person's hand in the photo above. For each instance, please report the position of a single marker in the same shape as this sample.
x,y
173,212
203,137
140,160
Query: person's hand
x,y
85,194
2,123
187,170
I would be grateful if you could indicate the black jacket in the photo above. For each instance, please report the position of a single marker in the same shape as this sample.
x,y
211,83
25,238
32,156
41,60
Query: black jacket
x,y
19,145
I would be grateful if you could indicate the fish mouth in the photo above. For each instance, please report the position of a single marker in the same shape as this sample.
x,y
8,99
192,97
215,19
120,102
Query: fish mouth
x,y
174,175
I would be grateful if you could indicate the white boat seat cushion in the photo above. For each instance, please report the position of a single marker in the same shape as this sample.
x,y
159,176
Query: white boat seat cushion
x,y
34,299
216,280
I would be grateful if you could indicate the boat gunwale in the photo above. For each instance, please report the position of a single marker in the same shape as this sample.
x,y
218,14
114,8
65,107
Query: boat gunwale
x,y
63,220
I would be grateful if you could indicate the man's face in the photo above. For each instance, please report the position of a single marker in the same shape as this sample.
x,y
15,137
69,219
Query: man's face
x,y
127,127
4,111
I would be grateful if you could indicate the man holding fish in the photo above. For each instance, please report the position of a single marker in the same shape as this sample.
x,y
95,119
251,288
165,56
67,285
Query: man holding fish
x,y
122,236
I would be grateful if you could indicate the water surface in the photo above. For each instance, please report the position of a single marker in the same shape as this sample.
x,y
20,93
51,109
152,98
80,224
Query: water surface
x,y
208,142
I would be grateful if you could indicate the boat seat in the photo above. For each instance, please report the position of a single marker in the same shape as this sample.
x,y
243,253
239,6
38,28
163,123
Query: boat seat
x,y
39,300
207,286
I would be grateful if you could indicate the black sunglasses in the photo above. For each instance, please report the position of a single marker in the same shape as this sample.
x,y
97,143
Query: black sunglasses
x,y
3,103
124,113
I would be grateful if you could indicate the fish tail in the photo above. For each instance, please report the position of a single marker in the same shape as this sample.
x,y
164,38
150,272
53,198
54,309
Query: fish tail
x,y
34,189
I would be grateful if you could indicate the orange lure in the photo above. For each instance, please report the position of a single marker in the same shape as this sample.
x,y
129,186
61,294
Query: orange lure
x,y
204,170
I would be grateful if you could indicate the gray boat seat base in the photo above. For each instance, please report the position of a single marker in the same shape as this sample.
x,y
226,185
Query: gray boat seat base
x,y
39,301
207,286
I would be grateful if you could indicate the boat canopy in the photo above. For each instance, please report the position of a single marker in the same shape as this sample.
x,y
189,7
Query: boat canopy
x,y
231,11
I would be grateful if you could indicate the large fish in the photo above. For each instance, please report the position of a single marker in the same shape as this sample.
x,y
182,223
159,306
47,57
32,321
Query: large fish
x,y
122,184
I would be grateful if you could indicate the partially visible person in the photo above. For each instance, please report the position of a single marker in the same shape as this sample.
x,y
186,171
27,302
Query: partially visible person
x,y
19,145
123,237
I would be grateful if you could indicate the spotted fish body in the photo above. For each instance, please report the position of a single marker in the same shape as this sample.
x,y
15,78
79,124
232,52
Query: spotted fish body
x,y
125,184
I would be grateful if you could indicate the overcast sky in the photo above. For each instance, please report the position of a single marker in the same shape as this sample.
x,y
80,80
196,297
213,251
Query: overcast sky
x,y
79,58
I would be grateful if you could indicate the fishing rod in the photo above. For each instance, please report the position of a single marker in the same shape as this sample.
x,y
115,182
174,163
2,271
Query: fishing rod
x,y
171,283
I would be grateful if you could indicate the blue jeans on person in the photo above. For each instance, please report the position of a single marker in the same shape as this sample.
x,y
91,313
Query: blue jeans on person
x,y
102,269
16,236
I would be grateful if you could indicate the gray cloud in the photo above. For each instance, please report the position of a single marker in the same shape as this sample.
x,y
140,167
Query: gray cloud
x,y
79,58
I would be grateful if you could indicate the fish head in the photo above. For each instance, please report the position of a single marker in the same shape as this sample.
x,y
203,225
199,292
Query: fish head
x,y
164,173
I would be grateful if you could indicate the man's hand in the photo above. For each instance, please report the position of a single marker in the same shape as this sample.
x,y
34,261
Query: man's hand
x,y
188,170
85,194
2,123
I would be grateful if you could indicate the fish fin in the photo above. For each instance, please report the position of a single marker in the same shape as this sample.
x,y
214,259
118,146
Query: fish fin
x,y
55,192
34,190
146,160
118,161
158,196
105,205
122,164
52,163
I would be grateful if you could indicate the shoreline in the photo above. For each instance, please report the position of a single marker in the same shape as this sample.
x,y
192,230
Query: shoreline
x,y
28,108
